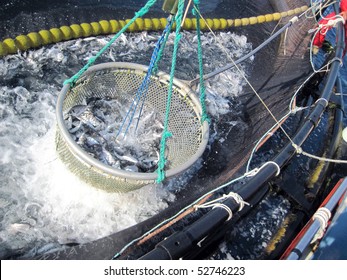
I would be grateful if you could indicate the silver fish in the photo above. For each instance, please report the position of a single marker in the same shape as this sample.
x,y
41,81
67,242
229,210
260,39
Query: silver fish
x,y
131,168
18,228
94,125
107,158
128,158
88,117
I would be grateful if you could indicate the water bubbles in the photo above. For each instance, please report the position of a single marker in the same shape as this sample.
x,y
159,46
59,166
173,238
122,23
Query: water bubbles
x,y
42,205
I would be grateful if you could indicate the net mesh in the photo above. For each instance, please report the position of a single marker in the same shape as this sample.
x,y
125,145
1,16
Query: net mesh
x,y
183,148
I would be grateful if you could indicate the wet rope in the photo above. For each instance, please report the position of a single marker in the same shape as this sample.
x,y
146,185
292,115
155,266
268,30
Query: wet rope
x,y
298,149
293,20
322,29
244,176
196,12
143,89
293,110
216,203
192,205
162,47
92,60
166,133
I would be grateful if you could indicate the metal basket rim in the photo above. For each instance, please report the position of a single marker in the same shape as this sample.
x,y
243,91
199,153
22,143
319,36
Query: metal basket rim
x,y
92,162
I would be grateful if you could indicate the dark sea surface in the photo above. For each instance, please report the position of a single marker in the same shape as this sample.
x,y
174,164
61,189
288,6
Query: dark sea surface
x,y
18,227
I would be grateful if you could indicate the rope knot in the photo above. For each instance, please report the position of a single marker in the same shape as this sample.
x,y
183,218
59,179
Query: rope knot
x,y
238,199
297,148
217,204
167,134
162,159
294,19
252,173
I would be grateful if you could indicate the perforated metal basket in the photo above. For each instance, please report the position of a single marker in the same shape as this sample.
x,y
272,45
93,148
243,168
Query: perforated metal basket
x,y
115,80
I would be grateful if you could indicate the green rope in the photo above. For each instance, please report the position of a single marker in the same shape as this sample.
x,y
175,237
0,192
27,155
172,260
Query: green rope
x,y
92,60
204,116
166,133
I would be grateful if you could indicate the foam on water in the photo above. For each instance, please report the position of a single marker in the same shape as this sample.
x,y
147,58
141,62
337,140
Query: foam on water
x,y
43,205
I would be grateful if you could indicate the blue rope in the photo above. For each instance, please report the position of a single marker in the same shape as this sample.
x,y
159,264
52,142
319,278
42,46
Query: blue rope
x,y
155,69
143,89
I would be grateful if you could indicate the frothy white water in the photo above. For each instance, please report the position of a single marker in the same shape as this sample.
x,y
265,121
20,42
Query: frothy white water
x,y
41,202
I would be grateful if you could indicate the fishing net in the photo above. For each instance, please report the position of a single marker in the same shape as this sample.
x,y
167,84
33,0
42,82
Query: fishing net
x,y
277,72
118,81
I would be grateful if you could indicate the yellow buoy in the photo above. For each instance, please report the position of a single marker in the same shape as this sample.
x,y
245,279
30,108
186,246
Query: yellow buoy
x,y
46,37
35,39
10,45
87,29
23,42
77,31
57,35
66,31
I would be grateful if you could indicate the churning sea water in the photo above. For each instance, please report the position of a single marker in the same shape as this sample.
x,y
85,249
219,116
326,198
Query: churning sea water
x,y
42,205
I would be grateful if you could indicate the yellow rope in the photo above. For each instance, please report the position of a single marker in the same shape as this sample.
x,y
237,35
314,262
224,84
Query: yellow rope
x,y
74,31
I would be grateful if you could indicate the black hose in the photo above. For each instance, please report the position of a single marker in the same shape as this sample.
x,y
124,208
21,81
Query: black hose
x,y
178,244
238,61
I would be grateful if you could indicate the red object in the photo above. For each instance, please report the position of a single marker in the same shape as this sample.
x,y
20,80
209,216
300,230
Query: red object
x,y
320,37
292,247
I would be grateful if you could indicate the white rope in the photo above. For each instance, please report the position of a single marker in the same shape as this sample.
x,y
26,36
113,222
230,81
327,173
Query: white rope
x,y
298,109
323,99
216,203
285,42
186,12
323,215
321,6
193,204
292,110
338,59
299,150
332,23
241,202
226,208
323,29
245,78
255,171
316,8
